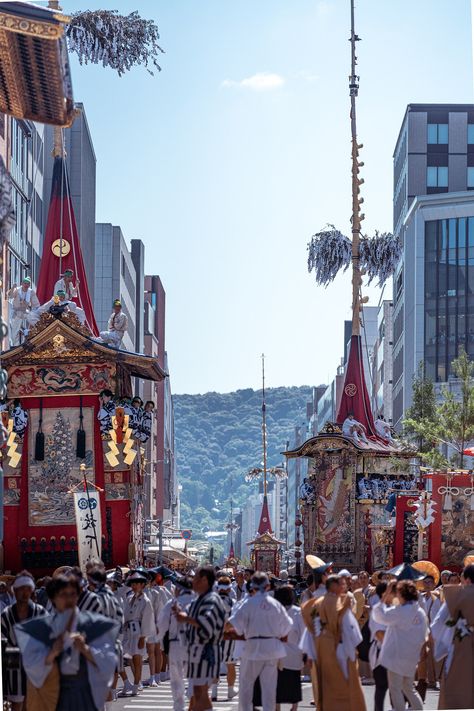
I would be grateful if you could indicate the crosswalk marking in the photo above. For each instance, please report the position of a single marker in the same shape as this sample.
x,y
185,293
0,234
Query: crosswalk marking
x,y
160,698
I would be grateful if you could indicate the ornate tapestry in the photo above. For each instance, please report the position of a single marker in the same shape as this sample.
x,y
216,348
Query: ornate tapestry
x,y
335,518
11,491
49,481
117,487
457,537
60,380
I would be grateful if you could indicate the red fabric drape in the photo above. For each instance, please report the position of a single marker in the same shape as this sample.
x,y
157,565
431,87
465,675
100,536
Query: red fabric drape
x,y
355,398
265,525
61,222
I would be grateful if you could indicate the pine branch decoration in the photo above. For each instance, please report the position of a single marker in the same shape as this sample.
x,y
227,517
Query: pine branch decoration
x,y
330,252
117,41
379,256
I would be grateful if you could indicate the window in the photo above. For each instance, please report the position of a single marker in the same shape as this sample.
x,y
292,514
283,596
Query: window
x,y
437,133
437,176
399,286
470,133
470,177
123,266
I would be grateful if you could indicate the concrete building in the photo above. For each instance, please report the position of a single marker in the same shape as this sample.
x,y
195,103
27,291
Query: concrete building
x,y
382,363
24,147
433,180
116,278
164,485
81,164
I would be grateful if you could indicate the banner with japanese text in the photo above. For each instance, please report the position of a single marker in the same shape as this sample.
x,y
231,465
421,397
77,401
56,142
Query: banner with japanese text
x,y
89,529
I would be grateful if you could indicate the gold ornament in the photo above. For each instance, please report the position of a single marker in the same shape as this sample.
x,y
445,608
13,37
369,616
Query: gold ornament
x,y
60,247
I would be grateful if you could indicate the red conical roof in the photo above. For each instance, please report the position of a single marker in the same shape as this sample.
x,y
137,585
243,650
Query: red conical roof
x,y
265,525
62,223
355,398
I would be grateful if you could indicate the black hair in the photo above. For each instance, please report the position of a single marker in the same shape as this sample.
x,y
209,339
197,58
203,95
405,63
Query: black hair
x,y
317,578
286,595
61,582
468,573
310,580
331,580
106,392
207,571
259,579
97,575
407,589
380,588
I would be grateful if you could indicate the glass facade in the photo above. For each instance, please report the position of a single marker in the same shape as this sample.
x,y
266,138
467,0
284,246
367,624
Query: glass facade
x,y
437,133
449,293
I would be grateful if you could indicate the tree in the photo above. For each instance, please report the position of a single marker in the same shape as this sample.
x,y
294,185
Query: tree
x,y
422,408
451,421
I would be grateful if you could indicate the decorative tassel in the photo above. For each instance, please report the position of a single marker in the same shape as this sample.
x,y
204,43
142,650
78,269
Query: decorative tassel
x,y
81,435
39,441
448,502
472,501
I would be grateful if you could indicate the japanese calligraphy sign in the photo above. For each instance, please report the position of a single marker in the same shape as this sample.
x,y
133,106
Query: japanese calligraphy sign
x,y
89,530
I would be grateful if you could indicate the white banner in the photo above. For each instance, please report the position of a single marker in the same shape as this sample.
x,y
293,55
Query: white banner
x,y
88,523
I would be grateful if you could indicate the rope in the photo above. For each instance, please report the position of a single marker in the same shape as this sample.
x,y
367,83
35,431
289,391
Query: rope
x,y
74,256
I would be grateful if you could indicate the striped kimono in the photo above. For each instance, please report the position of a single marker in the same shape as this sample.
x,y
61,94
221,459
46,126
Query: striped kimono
x,y
227,645
15,682
113,609
204,642
89,602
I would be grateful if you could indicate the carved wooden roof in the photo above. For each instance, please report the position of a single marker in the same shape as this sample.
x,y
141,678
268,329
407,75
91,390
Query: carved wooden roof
x,y
65,340
36,78
331,439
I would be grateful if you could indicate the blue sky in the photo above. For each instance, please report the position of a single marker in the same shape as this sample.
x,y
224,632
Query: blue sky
x,y
226,163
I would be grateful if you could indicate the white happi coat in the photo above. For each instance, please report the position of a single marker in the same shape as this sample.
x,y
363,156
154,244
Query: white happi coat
x,y
263,621
139,621
407,630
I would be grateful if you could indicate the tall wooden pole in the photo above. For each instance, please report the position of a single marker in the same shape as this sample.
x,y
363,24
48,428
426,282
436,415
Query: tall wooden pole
x,y
356,182
264,429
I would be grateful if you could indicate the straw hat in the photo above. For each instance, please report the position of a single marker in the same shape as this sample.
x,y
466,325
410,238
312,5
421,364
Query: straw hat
x,y
469,559
428,568
62,570
317,564
377,577
8,579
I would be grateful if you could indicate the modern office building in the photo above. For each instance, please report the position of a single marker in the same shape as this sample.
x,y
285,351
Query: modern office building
x,y
81,165
116,278
433,204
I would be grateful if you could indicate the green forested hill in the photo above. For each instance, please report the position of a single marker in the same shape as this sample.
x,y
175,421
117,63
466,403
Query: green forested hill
x,y
218,438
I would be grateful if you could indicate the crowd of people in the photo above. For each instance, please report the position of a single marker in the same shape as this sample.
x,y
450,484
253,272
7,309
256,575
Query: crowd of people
x,y
68,639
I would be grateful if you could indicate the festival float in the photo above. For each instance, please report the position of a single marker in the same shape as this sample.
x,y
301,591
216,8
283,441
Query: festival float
x,y
265,554
357,470
71,442
71,427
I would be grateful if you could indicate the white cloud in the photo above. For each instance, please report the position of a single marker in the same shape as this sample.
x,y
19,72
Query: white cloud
x,y
262,81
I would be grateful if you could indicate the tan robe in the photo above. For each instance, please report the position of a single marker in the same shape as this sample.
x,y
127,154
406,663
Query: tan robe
x,y
457,687
429,669
335,692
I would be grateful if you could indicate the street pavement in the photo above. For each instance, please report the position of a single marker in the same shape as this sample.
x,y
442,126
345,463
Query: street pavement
x,y
161,699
